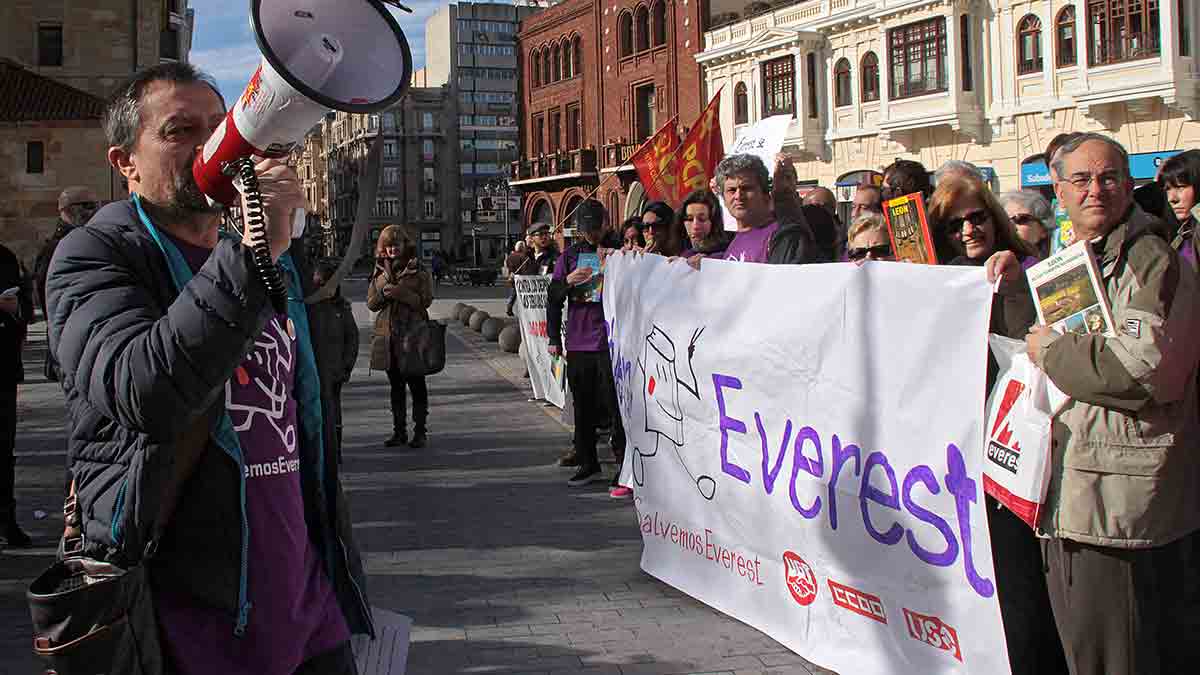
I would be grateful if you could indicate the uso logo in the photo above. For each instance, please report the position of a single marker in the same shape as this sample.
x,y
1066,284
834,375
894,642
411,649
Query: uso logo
x,y
801,581
933,632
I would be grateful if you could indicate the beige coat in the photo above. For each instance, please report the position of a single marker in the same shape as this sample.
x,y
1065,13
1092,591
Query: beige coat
x,y
404,297
1126,450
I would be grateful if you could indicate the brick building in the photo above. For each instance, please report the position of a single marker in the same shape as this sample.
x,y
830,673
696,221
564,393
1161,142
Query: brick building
x,y
596,82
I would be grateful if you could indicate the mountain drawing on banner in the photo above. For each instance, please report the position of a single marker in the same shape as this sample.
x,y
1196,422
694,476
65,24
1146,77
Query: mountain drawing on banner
x,y
664,415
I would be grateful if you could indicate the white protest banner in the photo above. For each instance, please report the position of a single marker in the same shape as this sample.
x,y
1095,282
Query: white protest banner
x,y
764,140
805,449
547,374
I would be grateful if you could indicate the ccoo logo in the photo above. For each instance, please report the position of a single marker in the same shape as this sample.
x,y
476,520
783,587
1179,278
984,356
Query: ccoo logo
x,y
801,581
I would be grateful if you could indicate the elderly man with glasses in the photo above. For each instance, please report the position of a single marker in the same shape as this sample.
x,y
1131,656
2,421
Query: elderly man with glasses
x,y
76,206
1123,508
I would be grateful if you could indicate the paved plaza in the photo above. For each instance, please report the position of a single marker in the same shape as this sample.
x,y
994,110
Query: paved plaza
x,y
503,568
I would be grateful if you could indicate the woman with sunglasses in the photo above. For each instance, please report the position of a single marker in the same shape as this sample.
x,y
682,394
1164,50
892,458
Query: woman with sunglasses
x,y
631,235
1031,214
699,223
868,239
1179,178
971,228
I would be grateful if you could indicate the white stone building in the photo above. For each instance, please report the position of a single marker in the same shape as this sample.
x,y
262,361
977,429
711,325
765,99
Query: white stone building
x,y
988,81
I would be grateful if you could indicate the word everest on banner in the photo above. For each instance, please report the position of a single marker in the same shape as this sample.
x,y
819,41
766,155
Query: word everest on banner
x,y
705,546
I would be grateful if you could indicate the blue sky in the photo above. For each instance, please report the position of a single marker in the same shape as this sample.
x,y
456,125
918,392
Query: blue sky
x,y
223,44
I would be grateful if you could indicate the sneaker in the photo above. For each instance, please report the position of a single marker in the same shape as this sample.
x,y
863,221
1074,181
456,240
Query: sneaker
x,y
16,537
620,492
568,458
586,475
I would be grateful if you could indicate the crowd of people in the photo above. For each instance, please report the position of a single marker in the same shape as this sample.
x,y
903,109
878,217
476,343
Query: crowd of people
x,y
158,325
1123,511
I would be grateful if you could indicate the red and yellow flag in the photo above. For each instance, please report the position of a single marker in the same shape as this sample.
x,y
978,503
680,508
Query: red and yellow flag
x,y
655,163
696,160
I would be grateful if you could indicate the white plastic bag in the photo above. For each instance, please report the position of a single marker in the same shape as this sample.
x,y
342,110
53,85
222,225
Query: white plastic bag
x,y
1018,433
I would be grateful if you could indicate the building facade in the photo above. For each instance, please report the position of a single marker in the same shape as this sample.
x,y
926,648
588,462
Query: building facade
x,y
471,48
93,44
418,182
987,81
599,79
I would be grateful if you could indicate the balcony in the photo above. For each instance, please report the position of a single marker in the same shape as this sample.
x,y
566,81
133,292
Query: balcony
x,y
616,155
1126,48
560,165
430,186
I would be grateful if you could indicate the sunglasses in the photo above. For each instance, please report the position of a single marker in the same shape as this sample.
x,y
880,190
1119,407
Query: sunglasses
x,y
880,251
1025,219
976,218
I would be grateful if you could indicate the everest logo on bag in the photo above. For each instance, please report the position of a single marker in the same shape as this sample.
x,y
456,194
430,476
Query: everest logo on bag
x,y
1002,451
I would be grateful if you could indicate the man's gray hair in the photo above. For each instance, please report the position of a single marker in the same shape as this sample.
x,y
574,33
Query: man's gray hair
x,y
1060,156
1033,202
735,164
958,166
123,117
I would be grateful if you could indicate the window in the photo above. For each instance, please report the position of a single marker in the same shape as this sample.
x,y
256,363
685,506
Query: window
x,y
427,120
464,120
387,121
391,175
574,126
539,134
556,64
812,85
1064,37
391,149
566,60
660,23
869,72
1122,30
465,168
644,112
1029,45
918,58
642,22
964,31
430,207
50,45
427,149
466,144
35,157
779,87
625,33
741,104
1185,28
841,83
555,129
576,56
546,66
485,120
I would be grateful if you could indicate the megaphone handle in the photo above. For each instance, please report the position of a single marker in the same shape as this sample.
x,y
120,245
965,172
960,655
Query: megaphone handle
x,y
256,230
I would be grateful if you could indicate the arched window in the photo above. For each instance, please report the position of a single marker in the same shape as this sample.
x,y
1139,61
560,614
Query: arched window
x,y
556,63
625,33
642,22
869,72
660,23
536,68
741,104
576,57
1064,36
841,83
566,59
546,66
1029,45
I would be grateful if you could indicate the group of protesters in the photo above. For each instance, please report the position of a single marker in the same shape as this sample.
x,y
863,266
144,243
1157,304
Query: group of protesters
x,y
1109,582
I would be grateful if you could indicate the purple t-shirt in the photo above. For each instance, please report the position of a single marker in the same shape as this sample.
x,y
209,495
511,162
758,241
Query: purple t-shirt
x,y
586,331
294,614
752,245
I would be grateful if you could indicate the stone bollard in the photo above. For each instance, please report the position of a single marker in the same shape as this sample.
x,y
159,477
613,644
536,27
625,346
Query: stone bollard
x,y
464,316
477,319
510,338
490,330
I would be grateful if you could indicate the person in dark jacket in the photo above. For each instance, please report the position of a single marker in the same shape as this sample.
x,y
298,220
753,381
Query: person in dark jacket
x,y
589,366
542,254
76,205
16,313
965,214
1179,179
401,292
335,341
512,263
160,322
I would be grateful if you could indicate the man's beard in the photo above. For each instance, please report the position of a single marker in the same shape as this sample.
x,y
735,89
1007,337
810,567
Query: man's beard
x,y
188,199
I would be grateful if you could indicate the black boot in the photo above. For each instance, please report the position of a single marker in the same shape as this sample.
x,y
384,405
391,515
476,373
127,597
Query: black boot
x,y
420,411
16,537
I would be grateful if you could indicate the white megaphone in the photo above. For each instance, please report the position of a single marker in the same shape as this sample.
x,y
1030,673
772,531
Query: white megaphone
x,y
317,56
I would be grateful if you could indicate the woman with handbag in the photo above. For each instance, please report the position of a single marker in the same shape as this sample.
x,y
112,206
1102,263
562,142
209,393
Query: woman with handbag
x,y
401,292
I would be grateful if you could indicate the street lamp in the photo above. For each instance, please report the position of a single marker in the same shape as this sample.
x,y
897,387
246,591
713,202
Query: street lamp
x,y
496,186
475,245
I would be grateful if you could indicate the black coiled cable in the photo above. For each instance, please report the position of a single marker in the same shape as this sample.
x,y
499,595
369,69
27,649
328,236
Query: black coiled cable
x,y
256,231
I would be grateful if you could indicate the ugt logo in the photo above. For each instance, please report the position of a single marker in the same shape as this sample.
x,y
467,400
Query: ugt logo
x,y
801,581
933,632
1002,451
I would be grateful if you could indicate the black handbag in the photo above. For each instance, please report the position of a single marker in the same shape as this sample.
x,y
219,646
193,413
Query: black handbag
x,y
419,348
96,617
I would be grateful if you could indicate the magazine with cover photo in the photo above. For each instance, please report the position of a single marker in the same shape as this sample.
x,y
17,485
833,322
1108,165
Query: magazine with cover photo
x,y
1068,292
591,290
908,229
